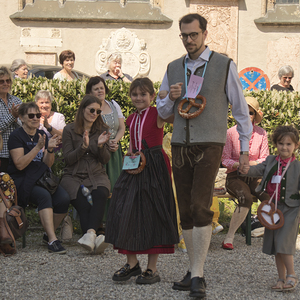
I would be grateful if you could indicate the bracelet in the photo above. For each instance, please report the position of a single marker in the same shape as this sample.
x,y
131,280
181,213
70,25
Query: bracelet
x,y
244,153
123,77
50,151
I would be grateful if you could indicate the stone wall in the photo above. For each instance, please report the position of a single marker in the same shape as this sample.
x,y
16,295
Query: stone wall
x,y
146,33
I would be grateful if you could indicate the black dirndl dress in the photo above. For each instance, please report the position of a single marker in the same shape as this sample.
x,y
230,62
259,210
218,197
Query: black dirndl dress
x,y
142,211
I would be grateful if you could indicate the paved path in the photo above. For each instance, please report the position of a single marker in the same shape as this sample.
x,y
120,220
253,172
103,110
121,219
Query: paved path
x,y
33,273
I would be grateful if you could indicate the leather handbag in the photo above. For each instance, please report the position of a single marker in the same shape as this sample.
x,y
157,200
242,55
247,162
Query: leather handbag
x,y
14,222
49,182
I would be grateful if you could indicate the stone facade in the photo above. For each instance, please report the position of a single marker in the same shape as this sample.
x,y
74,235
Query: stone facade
x,y
254,33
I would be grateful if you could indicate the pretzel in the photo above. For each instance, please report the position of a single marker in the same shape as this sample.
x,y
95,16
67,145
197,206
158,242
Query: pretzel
x,y
185,112
269,209
142,163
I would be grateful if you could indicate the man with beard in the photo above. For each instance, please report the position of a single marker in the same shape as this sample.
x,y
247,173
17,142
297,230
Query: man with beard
x,y
197,142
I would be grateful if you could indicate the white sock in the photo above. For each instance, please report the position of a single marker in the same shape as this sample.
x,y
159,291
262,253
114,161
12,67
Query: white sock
x,y
188,239
201,241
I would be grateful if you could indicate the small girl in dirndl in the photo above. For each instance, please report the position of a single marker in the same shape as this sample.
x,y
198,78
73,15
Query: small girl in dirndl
x,y
281,179
142,213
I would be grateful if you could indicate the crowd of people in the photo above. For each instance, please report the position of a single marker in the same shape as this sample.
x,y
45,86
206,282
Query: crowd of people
x,y
141,214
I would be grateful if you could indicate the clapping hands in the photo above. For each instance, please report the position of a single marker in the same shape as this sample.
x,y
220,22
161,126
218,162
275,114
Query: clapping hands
x,y
103,138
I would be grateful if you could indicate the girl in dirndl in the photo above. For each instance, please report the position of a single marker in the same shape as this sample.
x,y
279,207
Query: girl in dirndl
x,y
281,180
142,213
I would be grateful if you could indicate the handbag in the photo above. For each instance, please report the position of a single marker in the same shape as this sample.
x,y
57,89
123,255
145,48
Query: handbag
x,y
14,223
48,181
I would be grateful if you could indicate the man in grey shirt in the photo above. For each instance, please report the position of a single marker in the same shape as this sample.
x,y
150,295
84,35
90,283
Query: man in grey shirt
x,y
197,143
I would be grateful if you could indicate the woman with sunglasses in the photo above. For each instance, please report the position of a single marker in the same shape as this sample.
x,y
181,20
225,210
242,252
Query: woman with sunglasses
x,y
31,154
241,187
285,74
86,151
112,116
9,121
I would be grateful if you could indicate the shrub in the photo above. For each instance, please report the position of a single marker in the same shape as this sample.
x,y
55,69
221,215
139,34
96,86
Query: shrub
x,y
279,108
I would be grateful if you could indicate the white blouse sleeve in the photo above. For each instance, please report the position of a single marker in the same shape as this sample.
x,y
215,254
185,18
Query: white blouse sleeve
x,y
118,108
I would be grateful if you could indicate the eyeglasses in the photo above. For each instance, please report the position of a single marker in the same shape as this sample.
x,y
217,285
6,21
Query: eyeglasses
x,y
98,111
31,116
2,81
251,113
192,35
287,77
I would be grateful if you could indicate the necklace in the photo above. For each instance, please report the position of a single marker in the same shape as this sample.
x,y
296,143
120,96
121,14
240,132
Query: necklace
x,y
31,137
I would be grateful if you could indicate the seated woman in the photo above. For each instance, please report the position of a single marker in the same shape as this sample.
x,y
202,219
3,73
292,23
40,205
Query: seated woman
x,y
86,151
114,72
51,122
285,74
112,116
66,59
9,106
31,154
242,187
19,68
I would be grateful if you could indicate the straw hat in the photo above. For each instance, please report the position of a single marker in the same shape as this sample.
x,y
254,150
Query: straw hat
x,y
252,102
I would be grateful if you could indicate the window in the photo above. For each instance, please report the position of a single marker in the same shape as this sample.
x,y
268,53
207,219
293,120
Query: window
x,y
287,1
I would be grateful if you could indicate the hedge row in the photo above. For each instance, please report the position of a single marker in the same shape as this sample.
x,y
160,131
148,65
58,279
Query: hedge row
x,y
279,108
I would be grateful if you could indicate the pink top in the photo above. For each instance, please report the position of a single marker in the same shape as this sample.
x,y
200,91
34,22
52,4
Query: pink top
x,y
258,147
272,186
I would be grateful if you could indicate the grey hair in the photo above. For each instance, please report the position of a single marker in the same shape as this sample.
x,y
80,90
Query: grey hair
x,y
114,56
43,94
285,70
17,63
4,71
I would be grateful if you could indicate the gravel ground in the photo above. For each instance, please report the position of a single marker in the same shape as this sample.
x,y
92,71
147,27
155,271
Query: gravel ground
x,y
244,273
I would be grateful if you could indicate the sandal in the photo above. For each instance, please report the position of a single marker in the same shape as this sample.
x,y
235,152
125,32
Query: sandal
x,y
292,283
278,288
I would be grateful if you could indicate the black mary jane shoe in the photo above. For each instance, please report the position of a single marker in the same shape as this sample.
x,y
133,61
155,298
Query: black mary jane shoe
x,y
184,284
125,272
148,277
198,286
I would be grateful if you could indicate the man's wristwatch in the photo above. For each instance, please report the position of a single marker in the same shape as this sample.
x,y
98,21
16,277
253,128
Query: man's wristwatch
x,y
244,153
49,129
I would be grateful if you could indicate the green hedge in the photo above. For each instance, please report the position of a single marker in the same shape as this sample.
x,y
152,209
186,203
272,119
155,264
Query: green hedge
x,y
279,108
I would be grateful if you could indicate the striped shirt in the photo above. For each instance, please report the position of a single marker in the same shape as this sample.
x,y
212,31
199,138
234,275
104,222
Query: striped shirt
x,y
8,123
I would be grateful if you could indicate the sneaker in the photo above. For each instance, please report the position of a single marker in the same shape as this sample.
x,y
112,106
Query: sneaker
x,y
148,277
87,241
100,245
216,228
46,239
66,228
56,247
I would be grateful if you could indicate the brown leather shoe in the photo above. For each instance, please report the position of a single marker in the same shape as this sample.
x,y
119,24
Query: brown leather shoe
x,y
184,284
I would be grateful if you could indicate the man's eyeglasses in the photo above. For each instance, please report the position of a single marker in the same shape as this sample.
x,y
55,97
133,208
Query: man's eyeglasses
x,y
31,116
287,77
2,81
192,35
98,111
251,113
